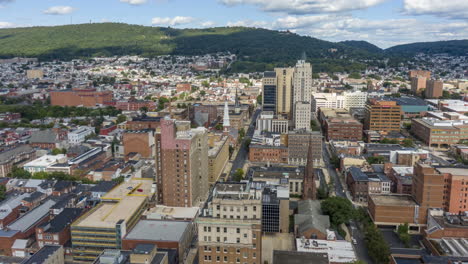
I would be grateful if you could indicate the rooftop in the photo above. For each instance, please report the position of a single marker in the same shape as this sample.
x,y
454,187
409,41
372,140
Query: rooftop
x,y
294,257
46,160
32,217
62,220
42,255
393,199
157,230
339,251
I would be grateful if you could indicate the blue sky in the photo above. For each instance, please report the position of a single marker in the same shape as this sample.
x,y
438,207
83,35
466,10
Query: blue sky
x,y
382,22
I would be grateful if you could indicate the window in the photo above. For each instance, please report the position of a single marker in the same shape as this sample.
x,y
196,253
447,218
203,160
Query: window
x,y
238,251
218,258
225,230
218,229
245,235
255,208
225,259
238,230
218,249
238,240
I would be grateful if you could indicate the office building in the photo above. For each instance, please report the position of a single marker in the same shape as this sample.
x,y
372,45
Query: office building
x,y
106,225
184,163
267,121
346,100
302,94
230,225
78,136
298,146
434,88
284,90
269,92
268,154
440,133
275,209
383,116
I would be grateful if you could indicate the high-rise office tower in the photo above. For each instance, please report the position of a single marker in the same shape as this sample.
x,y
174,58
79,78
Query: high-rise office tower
x,y
434,88
302,94
284,89
269,92
382,116
184,161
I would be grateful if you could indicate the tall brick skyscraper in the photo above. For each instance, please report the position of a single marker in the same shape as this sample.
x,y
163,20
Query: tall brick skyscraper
x,y
184,163
310,190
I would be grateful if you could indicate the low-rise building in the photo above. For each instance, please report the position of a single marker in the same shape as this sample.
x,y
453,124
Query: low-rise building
x,y
338,124
362,184
50,254
271,154
440,133
338,251
42,163
57,230
15,156
78,136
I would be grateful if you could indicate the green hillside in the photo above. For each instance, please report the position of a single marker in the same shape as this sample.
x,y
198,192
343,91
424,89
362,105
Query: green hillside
x,y
452,47
257,49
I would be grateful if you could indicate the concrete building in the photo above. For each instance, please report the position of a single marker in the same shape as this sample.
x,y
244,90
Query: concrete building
x,y
230,225
277,175
346,100
184,162
80,97
275,209
302,94
284,90
142,142
298,146
434,88
440,133
41,164
269,92
78,136
338,124
269,122
382,116
105,226
302,115
172,235
218,156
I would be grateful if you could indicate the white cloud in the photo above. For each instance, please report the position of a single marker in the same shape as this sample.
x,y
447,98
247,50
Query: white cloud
x,y
172,21
134,2
250,23
6,25
383,33
59,10
306,6
207,24
456,9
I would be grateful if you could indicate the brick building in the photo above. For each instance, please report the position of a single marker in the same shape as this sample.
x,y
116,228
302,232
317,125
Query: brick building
x,y
143,122
140,141
15,156
434,88
80,97
338,124
183,87
440,133
133,105
183,162
272,154
57,230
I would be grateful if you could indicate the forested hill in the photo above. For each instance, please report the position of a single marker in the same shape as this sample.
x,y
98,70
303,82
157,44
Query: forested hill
x,y
452,47
257,48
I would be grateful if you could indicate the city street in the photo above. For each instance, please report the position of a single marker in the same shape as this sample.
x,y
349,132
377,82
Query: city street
x,y
241,157
356,233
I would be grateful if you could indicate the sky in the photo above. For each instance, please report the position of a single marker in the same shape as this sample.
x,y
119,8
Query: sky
x,y
384,23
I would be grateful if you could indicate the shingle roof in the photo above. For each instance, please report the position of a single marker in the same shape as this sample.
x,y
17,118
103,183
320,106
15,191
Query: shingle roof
x,y
43,136
62,220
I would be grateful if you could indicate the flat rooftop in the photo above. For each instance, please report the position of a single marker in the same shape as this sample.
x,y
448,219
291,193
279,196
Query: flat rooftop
x,y
133,187
157,230
454,171
167,212
106,214
392,199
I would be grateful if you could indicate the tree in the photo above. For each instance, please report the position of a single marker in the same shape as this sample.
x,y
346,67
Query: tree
x,y
408,143
241,133
205,84
378,249
238,175
389,141
219,127
57,151
2,192
259,99
375,160
202,93
231,150
339,209
19,173
355,75
335,161
403,234
144,109
121,118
